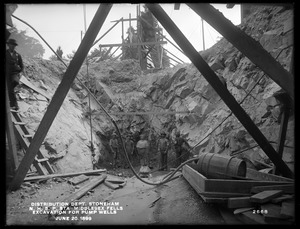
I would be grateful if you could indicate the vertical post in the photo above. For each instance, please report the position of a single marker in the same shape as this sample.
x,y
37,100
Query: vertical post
x,y
203,34
10,134
60,94
122,36
138,34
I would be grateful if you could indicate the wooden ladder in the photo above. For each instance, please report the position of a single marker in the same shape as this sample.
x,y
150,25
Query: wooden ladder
x,y
41,163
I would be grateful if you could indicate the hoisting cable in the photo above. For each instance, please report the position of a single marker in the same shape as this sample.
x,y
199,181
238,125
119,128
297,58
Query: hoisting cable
x,y
110,117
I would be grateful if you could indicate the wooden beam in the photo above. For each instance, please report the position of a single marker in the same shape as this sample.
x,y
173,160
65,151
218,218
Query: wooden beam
x,y
89,172
80,192
26,82
256,175
265,196
61,93
216,83
287,188
247,45
239,202
11,139
173,55
134,44
78,179
122,19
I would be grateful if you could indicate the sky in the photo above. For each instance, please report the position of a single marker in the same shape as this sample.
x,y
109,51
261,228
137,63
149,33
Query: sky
x,y
63,24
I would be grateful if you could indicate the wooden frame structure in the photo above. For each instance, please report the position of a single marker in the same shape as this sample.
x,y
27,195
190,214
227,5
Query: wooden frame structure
x,y
219,190
196,59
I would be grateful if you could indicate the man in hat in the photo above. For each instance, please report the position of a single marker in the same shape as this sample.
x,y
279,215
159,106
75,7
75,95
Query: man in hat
x,y
162,148
114,147
182,148
14,66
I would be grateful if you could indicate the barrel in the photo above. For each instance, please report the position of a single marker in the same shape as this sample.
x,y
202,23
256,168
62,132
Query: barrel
x,y
221,167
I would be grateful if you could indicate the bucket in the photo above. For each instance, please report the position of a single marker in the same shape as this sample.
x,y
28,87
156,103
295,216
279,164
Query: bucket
x,y
221,167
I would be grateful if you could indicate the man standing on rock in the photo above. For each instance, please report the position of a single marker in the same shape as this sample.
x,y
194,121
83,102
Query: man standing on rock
x,y
14,66
162,149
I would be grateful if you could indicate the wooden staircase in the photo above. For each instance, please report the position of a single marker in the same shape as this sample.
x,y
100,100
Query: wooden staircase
x,y
41,163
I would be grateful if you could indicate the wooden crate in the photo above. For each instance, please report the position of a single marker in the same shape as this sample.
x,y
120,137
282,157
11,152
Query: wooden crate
x,y
206,187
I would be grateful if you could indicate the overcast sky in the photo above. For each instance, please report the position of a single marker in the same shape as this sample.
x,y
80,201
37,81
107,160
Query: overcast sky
x,y
62,24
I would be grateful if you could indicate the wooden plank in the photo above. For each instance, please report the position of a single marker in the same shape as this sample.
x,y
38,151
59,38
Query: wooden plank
x,y
224,194
265,196
111,185
247,45
282,198
195,179
24,81
78,179
256,175
241,210
236,186
288,209
89,172
239,202
115,181
19,123
60,94
10,134
219,87
214,200
135,44
289,188
84,189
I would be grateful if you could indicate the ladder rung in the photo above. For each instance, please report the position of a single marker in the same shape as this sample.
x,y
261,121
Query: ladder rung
x,y
19,123
41,160
27,135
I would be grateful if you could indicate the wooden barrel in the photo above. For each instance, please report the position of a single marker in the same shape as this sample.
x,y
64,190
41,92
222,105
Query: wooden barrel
x,y
221,167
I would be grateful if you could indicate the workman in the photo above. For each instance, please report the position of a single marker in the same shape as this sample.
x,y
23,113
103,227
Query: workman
x,y
114,147
162,149
129,146
14,66
182,148
143,149
152,147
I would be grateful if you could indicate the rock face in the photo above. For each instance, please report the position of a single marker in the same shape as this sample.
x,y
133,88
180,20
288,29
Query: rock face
x,y
193,107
